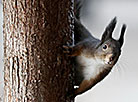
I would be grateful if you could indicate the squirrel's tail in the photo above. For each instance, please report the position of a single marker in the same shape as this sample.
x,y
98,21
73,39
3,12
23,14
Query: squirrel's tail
x,y
77,8
80,32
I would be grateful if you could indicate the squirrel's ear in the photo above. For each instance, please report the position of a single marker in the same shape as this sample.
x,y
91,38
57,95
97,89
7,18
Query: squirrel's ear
x,y
121,39
109,29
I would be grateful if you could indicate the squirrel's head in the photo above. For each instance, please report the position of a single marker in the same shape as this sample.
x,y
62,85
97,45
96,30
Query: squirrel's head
x,y
109,49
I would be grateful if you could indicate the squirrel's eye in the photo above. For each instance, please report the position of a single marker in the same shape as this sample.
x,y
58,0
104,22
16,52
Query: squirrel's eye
x,y
105,47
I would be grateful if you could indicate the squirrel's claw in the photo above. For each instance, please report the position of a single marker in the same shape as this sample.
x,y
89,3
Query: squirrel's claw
x,y
67,49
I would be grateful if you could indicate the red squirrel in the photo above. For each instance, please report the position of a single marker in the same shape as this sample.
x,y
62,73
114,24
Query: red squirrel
x,y
94,58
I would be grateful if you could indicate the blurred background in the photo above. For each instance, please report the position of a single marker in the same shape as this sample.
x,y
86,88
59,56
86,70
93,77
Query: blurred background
x,y
121,85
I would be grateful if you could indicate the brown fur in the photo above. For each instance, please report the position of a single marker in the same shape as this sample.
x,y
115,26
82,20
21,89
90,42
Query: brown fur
x,y
87,84
73,50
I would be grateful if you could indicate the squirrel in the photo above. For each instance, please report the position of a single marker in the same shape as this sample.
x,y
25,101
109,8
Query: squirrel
x,y
94,58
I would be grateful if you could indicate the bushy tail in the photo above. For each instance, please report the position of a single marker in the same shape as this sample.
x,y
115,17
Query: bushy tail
x,y
77,8
80,32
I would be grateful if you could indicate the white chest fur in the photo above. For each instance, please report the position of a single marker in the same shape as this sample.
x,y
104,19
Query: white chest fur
x,y
90,66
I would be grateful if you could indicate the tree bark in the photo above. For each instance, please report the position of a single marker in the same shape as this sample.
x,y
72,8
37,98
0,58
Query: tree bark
x,y
35,67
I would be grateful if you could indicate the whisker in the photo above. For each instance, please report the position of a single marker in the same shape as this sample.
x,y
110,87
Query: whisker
x,y
121,66
117,69
124,63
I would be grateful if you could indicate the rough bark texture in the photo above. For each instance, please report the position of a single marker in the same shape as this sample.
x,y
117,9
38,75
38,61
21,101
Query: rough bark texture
x,y
35,68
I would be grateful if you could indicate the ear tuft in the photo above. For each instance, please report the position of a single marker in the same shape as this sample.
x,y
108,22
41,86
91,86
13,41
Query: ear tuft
x,y
121,39
109,29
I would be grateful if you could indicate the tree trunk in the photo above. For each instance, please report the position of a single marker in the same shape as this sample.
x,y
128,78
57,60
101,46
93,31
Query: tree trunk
x,y
35,67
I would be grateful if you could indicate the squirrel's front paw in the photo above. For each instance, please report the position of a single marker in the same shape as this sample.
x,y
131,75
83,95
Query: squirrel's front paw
x,y
67,49
72,50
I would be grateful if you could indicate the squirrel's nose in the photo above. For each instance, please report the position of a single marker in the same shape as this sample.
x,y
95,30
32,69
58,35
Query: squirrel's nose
x,y
112,58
